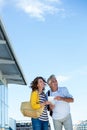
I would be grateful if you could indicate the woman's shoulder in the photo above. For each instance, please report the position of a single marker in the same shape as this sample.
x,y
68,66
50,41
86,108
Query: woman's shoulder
x,y
35,92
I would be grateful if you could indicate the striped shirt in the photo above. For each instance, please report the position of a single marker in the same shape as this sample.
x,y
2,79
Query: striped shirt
x,y
44,115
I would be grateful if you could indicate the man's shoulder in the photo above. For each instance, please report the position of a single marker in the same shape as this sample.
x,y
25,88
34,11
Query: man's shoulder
x,y
62,88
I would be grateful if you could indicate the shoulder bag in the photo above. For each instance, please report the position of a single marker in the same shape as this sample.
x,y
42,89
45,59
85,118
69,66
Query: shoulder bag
x,y
28,111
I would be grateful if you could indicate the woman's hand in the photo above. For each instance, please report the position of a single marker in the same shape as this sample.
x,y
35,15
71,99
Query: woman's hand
x,y
52,106
47,102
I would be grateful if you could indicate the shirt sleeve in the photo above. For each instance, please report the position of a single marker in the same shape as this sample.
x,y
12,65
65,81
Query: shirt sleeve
x,y
66,93
35,100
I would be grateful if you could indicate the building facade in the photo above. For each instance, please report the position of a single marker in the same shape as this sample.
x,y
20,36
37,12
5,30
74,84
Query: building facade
x,y
82,125
23,125
26,125
3,106
10,73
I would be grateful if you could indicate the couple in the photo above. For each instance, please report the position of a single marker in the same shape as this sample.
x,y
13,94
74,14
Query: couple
x,y
61,110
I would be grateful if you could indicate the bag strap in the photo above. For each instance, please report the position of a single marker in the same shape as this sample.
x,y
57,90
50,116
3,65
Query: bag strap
x,y
48,92
51,112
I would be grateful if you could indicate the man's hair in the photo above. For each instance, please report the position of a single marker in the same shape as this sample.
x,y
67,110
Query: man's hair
x,y
49,79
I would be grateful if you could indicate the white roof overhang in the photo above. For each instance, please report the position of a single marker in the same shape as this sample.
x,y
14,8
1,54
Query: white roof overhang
x,y
9,66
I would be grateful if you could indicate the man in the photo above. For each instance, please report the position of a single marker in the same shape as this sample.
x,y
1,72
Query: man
x,y
61,110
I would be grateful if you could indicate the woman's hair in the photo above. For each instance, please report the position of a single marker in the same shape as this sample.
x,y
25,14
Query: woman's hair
x,y
34,83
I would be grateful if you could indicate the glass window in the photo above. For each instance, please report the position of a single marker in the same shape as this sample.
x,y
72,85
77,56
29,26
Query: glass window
x,y
3,106
6,95
0,92
3,115
0,112
0,104
3,93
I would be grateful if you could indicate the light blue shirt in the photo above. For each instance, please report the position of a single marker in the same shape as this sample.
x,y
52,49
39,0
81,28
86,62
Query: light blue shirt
x,y
62,108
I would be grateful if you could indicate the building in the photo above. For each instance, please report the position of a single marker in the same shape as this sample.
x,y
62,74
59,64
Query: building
x,y
81,125
12,124
10,73
25,125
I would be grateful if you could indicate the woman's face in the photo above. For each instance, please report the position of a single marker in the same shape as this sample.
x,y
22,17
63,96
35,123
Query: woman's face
x,y
41,84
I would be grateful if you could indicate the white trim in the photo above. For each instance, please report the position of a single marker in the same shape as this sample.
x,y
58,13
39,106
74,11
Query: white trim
x,y
13,77
2,42
2,78
5,61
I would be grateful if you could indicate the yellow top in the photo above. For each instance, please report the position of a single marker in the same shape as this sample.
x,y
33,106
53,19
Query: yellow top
x,y
35,100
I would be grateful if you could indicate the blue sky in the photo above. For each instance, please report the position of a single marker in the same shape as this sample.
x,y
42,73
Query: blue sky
x,y
48,37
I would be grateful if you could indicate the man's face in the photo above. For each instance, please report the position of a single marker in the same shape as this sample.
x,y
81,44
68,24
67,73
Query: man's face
x,y
53,84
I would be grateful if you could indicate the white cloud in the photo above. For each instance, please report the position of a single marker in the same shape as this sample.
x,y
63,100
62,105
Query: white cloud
x,y
62,78
82,71
58,1
35,8
38,8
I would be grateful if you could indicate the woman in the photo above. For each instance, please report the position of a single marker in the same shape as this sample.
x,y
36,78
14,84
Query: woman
x,y
37,86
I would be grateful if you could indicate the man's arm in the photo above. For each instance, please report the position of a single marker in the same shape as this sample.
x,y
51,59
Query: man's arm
x,y
66,99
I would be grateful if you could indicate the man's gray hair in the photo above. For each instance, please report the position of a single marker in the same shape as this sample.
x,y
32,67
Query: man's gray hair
x,y
49,79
